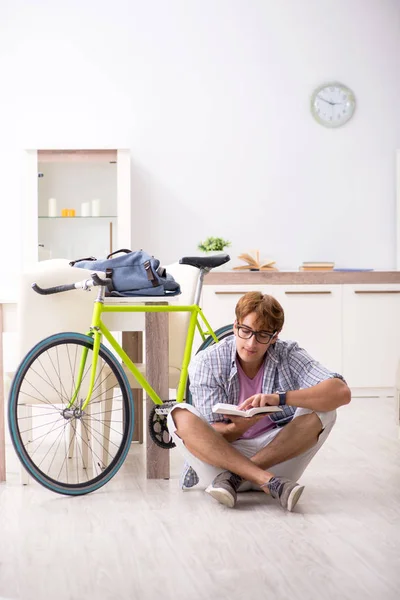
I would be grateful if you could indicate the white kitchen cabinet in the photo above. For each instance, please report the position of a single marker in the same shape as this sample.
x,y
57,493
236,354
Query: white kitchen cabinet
x,y
74,178
371,334
352,328
313,315
219,301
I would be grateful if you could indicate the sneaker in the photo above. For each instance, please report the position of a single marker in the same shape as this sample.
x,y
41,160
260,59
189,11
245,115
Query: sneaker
x,y
284,490
224,488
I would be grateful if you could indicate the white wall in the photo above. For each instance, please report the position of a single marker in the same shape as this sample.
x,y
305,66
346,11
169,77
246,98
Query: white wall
x,y
212,98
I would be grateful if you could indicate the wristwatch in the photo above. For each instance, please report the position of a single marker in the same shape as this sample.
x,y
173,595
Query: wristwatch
x,y
282,398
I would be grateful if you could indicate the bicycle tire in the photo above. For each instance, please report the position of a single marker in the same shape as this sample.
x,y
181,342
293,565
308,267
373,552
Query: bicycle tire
x,y
221,334
100,438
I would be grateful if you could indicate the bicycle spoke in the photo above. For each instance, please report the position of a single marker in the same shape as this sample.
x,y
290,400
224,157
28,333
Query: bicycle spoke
x,y
109,439
44,436
102,446
55,453
49,449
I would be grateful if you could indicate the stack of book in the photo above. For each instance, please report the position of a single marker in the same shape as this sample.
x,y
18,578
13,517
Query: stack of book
x,y
317,266
253,262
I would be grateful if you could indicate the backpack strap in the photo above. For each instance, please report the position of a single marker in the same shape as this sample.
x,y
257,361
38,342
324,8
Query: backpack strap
x,y
110,286
150,274
73,262
118,251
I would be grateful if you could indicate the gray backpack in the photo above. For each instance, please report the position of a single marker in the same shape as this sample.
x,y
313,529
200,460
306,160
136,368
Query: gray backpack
x,y
132,274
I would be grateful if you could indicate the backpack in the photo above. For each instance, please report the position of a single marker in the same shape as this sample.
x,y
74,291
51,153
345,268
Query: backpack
x,y
132,274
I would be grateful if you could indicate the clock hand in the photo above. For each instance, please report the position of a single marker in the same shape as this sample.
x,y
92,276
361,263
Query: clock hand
x,y
327,101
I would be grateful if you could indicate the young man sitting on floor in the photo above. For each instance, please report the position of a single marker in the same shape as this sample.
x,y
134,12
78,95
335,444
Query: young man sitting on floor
x,y
255,368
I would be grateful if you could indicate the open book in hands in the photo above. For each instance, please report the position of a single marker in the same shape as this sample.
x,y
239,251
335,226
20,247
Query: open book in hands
x,y
231,409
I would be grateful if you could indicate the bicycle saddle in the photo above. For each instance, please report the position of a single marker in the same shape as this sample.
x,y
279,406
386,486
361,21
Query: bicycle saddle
x,y
206,262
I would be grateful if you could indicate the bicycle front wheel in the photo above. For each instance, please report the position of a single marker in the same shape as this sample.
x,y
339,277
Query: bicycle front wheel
x,y
67,448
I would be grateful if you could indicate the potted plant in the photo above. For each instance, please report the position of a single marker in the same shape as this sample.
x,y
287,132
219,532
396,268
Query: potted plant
x,y
213,244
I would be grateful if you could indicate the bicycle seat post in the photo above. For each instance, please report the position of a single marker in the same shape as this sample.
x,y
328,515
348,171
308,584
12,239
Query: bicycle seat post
x,y
101,294
199,287
204,264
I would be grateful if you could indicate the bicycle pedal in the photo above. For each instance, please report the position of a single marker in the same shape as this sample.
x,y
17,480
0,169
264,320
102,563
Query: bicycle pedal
x,y
165,408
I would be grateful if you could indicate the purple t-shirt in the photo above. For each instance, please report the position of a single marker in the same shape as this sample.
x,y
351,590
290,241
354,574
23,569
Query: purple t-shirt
x,y
248,387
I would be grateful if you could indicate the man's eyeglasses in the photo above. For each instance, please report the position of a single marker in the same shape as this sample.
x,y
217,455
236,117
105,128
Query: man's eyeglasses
x,y
262,337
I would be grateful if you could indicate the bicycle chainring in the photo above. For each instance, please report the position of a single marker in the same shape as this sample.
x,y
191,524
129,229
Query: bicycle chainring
x,y
157,424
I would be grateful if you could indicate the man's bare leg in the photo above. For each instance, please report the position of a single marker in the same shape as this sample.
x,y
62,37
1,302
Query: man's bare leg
x,y
210,447
296,437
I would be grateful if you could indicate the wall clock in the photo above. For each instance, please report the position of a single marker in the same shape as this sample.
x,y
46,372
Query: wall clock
x,y
332,104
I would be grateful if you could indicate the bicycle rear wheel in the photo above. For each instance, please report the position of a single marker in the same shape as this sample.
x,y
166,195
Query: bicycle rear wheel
x,y
66,449
221,334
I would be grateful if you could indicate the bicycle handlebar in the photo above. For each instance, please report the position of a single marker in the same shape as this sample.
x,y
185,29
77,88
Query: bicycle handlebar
x,y
85,285
52,290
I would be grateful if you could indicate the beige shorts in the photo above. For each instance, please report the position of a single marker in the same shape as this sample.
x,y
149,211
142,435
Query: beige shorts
x,y
292,469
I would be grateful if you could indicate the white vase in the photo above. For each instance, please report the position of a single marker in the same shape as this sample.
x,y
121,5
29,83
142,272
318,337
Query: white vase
x,y
52,207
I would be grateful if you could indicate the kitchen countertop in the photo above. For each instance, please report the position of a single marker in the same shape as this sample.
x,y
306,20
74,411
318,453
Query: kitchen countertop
x,y
219,277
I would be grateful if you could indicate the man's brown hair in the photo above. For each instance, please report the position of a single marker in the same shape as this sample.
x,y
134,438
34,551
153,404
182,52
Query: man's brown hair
x,y
270,315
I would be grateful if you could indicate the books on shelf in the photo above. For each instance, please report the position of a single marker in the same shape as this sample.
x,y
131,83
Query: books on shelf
x,y
351,270
315,269
253,262
231,409
317,266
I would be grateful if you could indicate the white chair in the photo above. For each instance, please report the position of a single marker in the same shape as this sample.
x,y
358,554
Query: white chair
x,y
397,396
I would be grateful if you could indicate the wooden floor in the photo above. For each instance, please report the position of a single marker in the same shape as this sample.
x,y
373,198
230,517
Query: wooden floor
x,y
147,540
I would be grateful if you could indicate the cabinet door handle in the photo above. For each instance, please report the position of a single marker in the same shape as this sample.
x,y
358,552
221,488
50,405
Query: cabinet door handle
x,y
228,293
305,292
377,291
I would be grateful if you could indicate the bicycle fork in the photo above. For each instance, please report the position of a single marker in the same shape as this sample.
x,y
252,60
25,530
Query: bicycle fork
x,y
96,335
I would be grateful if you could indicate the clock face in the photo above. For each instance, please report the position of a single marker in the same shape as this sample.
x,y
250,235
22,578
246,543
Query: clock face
x,y
332,104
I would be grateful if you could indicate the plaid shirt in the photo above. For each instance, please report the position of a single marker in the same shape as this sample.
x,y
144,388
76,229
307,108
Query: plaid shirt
x,y
214,378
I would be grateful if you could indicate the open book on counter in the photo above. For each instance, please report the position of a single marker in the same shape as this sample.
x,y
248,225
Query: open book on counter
x,y
231,409
254,263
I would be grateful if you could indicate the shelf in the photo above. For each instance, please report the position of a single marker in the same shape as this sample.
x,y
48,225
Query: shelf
x,y
79,217
107,156
74,179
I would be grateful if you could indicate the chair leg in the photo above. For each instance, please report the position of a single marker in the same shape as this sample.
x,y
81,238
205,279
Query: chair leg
x,y
85,438
397,394
138,408
71,444
107,394
26,414
132,343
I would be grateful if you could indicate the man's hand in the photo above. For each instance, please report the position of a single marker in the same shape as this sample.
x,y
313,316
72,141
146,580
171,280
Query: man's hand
x,y
260,400
237,427
242,424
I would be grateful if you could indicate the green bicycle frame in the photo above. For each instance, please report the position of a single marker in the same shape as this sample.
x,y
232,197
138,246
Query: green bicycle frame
x,y
98,329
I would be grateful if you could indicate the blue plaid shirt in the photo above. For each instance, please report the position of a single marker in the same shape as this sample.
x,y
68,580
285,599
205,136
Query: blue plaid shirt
x,y
214,378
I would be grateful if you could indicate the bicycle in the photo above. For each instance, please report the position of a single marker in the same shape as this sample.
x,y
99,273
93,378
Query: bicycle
x,y
80,436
